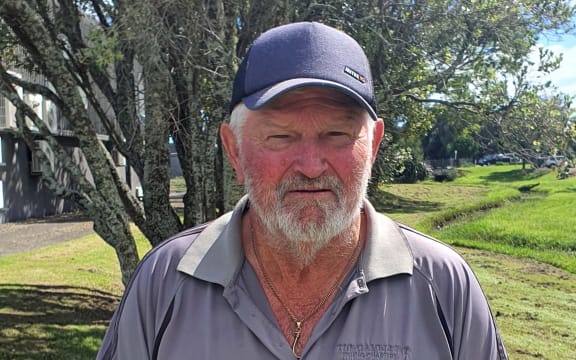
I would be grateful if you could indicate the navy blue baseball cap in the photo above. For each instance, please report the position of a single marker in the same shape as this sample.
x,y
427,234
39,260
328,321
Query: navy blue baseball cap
x,y
303,54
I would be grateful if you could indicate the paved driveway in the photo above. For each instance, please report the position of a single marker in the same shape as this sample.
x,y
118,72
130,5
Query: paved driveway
x,y
31,234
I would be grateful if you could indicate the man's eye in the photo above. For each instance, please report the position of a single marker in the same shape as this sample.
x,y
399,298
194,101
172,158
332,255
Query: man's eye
x,y
338,138
336,133
278,141
279,136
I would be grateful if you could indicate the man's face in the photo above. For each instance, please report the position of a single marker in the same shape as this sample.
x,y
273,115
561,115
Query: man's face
x,y
306,162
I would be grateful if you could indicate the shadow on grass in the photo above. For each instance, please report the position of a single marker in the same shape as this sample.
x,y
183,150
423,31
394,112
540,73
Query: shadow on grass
x,y
567,190
389,203
52,322
515,175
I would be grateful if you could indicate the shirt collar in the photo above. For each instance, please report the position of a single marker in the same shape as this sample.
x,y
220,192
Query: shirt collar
x,y
386,252
216,255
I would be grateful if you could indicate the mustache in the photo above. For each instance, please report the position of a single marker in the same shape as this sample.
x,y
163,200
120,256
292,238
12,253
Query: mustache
x,y
325,182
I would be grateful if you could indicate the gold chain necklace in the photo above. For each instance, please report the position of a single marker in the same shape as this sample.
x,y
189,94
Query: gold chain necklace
x,y
299,323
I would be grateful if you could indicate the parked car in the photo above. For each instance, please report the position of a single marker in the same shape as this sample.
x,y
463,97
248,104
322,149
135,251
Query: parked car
x,y
553,161
510,158
548,161
491,159
488,159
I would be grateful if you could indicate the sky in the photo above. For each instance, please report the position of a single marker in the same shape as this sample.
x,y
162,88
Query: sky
x,y
564,77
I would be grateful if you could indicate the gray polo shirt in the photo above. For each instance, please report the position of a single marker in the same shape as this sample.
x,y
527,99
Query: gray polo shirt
x,y
409,297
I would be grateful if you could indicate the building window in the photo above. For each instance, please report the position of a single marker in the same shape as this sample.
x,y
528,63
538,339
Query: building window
x,y
35,102
3,122
51,115
1,152
119,159
1,194
36,162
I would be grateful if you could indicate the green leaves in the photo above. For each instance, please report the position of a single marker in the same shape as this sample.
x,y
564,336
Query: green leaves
x,y
103,48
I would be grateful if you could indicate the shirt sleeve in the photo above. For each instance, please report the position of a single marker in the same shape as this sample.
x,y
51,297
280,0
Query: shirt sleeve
x,y
130,331
462,305
475,334
146,303
468,317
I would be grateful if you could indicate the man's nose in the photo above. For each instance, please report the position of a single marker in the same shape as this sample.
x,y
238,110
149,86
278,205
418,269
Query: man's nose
x,y
311,159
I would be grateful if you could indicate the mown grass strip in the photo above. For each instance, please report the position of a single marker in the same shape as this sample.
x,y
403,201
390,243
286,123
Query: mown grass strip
x,y
494,200
536,224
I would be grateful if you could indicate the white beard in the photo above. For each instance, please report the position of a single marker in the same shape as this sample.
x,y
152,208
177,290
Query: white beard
x,y
289,231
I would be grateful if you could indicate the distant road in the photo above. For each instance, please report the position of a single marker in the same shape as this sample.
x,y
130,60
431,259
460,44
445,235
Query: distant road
x,y
24,236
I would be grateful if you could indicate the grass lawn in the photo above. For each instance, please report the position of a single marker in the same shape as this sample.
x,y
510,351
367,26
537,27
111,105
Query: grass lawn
x,y
534,301
537,224
55,302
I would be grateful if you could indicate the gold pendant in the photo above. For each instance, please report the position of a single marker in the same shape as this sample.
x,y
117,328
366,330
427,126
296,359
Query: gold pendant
x,y
297,334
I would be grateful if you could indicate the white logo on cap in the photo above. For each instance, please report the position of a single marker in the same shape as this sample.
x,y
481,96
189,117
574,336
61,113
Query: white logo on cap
x,y
355,74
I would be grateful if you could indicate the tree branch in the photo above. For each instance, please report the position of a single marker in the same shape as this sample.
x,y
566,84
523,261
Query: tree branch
x,y
24,110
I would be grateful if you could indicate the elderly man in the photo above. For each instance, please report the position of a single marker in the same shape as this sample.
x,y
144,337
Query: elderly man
x,y
304,267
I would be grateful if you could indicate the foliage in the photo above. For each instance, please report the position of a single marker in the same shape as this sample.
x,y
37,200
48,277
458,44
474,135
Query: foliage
x,y
461,55
115,58
411,169
442,175
535,126
452,132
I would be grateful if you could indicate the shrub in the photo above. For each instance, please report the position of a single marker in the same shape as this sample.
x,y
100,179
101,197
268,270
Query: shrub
x,y
411,171
442,175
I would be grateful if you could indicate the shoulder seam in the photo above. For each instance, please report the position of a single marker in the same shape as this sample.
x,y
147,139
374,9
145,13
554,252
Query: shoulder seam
x,y
110,351
412,230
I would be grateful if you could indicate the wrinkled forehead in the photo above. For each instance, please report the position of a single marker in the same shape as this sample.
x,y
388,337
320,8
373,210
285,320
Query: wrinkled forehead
x,y
314,96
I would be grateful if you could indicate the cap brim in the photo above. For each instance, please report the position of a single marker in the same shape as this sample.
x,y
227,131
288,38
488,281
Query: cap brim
x,y
262,97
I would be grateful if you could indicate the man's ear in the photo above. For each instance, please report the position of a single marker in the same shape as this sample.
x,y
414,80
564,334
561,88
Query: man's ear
x,y
377,138
230,143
